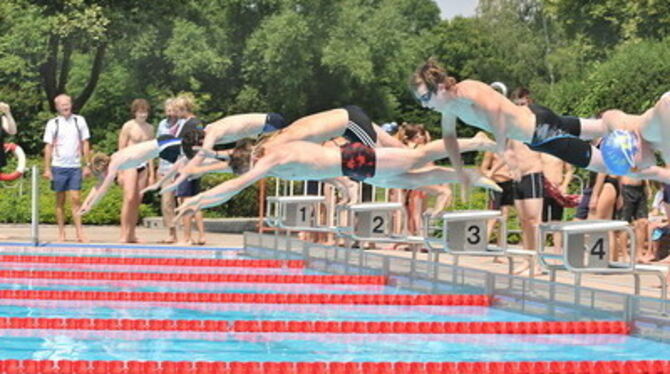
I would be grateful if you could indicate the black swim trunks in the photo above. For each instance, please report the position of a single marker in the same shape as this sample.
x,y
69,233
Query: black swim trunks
x,y
169,148
634,203
498,200
359,127
358,161
531,186
559,137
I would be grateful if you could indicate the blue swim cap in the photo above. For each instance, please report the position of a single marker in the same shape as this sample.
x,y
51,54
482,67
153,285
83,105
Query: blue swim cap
x,y
390,127
619,149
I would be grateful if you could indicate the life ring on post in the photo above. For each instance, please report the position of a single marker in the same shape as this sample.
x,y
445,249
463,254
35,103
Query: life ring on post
x,y
20,168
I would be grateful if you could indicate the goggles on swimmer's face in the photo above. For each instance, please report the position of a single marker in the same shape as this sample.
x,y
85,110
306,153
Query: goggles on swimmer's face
x,y
425,98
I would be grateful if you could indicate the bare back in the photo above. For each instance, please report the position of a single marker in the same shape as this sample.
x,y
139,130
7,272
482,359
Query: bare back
x,y
230,129
477,104
304,160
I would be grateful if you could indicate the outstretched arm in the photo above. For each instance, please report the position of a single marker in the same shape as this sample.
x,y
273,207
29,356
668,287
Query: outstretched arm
x,y
8,123
452,148
170,174
656,173
226,190
98,191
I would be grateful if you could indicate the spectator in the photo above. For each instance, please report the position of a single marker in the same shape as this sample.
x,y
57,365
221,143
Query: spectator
x,y
168,126
133,181
635,194
184,108
528,191
493,166
66,137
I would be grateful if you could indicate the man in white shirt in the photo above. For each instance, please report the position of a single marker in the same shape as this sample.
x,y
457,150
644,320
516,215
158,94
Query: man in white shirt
x,y
66,138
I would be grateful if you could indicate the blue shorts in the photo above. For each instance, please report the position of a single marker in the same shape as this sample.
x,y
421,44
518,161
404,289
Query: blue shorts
x,y
65,179
188,188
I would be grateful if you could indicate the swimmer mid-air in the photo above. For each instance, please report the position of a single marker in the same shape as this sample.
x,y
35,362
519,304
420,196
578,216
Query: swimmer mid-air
x,y
383,166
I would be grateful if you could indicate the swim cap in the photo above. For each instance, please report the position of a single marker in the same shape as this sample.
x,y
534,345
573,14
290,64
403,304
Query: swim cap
x,y
390,127
619,149
500,87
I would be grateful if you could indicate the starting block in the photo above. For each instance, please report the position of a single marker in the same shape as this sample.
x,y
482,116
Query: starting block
x,y
465,233
586,250
371,221
586,247
296,213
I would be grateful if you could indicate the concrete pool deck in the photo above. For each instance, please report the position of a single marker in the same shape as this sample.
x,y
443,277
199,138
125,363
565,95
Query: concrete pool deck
x,y
152,236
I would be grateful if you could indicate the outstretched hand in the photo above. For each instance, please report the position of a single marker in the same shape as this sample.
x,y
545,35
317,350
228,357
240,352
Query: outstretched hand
x,y
466,185
189,207
151,187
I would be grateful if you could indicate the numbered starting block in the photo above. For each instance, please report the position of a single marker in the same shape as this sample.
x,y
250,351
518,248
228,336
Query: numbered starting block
x,y
586,249
371,221
296,213
465,233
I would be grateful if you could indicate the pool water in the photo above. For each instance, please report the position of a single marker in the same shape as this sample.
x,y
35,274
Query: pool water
x,y
59,344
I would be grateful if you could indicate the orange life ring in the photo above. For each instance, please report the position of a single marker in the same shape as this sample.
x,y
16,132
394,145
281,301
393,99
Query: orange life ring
x,y
20,168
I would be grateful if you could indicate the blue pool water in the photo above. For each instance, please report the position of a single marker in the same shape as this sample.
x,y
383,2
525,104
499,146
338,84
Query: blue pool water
x,y
199,346
267,312
325,347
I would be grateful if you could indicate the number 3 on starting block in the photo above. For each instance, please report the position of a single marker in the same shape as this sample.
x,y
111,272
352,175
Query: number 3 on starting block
x,y
467,236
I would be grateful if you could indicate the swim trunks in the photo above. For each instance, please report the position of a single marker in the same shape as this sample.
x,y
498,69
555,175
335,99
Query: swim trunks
x,y
559,137
634,203
531,186
498,200
169,148
359,127
358,161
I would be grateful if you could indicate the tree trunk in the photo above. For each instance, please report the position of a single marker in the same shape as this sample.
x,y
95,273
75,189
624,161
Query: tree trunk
x,y
96,69
48,71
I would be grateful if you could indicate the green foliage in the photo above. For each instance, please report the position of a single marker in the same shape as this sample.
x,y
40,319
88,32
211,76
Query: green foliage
x,y
298,57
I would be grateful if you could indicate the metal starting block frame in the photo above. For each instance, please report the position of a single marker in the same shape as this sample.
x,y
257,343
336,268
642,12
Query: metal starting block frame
x,y
586,250
465,233
296,213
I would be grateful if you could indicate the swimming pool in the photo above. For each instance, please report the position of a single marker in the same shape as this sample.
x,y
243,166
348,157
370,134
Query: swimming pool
x,y
121,310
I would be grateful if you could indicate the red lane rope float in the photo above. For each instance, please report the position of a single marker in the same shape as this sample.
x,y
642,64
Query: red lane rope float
x,y
260,298
191,277
155,261
184,367
339,327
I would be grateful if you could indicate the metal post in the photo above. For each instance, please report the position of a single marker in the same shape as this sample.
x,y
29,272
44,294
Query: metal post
x,y
35,221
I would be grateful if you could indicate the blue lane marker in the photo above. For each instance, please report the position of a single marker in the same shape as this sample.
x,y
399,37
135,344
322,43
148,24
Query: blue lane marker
x,y
117,246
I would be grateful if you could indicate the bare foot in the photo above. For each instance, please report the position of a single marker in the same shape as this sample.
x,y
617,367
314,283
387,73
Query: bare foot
x,y
82,238
487,144
498,260
185,242
168,240
200,241
62,237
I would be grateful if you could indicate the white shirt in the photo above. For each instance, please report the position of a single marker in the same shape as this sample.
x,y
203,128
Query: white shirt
x,y
67,140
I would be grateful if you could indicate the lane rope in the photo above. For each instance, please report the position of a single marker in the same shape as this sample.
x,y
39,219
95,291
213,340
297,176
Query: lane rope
x,y
197,277
154,261
336,327
260,298
183,367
